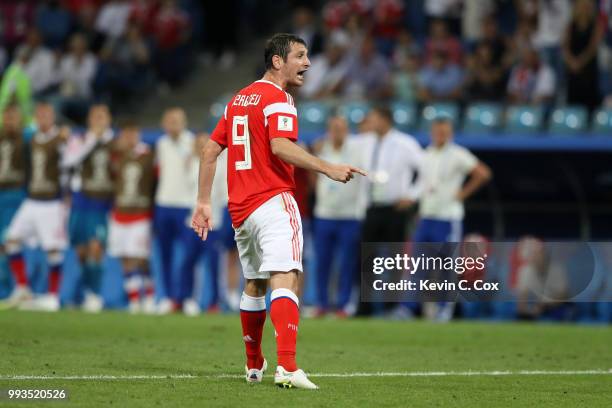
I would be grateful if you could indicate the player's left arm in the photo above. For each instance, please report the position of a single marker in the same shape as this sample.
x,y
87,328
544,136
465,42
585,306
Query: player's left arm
x,y
479,176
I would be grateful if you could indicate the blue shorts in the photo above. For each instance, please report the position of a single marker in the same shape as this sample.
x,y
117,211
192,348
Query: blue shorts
x,y
10,200
226,232
88,220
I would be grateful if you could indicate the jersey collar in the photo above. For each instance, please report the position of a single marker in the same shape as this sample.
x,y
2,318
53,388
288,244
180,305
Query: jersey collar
x,y
271,83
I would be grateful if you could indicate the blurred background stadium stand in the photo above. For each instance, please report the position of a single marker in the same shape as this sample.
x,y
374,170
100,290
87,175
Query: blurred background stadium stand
x,y
528,84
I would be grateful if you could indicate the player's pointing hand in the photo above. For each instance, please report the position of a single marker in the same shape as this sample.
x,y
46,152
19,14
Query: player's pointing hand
x,y
343,172
201,221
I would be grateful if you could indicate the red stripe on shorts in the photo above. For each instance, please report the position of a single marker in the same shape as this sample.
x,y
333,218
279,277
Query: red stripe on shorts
x,y
289,208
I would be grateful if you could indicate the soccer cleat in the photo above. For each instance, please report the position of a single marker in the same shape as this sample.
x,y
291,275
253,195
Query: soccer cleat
x,y
19,295
44,303
295,379
92,303
165,306
254,375
191,307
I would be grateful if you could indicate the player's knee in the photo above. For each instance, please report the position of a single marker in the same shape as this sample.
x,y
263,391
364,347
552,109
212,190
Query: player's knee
x,y
256,287
287,280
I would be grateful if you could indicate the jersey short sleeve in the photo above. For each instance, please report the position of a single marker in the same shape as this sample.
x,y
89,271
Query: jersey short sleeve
x,y
281,117
467,161
219,135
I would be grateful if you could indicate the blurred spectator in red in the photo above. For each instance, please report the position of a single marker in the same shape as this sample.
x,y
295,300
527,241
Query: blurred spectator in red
x,y
485,78
41,66
54,23
16,18
447,10
440,80
531,81
368,75
304,25
113,18
335,14
172,31
328,70
582,38
143,13
77,70
441,40
387,18
406,78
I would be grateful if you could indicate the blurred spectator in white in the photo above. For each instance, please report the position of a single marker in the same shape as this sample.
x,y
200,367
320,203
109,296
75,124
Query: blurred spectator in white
x,y
54,22
580,44
393,159
405,80
16,86
552,18
338,213
474,13
123,69
440,80
387,21
172,29
16,17
369,74
441,40
113,18
531,81
447,10
304,25
77,70
41,66
328,69
173,200
448,176
485,79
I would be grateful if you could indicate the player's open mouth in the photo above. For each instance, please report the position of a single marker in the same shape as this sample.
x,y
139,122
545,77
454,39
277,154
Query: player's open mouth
x,y
300,74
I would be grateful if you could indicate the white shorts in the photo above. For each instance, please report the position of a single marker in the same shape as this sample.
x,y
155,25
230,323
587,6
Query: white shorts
x,y
129,239
270,239
40,222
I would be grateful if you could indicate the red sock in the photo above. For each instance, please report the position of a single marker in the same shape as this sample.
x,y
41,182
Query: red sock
x,y
18,268
132,284
285,314
253,318
55,273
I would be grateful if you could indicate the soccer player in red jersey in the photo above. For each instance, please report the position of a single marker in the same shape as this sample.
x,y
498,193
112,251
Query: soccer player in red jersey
x,y
259,128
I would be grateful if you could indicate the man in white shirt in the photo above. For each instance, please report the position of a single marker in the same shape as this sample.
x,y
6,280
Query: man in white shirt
x,y
393,163
443,172
339,211
174,197
443,189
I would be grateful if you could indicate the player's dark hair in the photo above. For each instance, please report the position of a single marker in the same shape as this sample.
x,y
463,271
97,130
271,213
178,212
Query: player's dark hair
x,y
280,44
384,111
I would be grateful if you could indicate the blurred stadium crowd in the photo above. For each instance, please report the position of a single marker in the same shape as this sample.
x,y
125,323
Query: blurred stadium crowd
x,y
81,57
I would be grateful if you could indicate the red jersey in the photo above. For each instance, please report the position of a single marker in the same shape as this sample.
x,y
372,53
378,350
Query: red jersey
x,y
257,114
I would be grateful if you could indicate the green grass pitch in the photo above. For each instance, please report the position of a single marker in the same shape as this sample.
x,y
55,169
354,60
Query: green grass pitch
x,y
208,352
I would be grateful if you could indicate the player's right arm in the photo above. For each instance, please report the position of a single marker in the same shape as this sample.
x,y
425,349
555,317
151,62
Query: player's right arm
x,y
289,152
201,221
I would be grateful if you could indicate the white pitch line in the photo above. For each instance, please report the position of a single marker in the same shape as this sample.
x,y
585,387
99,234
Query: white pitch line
x,y
330,375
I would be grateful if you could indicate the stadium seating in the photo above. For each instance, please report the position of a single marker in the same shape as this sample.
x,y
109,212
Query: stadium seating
x,y
568,120
524,119
430,112
405,116
313,116
355,113
602,121
483,118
